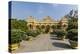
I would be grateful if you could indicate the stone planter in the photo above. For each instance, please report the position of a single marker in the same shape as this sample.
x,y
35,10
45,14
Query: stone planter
x,y
14,46
73,44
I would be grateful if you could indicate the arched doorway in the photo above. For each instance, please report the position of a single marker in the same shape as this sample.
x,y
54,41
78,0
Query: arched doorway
x,y
37,26
47,29
42,27
30,26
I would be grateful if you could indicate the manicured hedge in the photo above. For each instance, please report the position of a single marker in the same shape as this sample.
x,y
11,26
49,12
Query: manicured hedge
x,y
33,33
16,36
61,34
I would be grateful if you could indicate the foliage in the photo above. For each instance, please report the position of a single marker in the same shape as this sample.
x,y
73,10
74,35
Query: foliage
x,y
73,34
32,33
60,32
25,36
18,24
72,25
72,19
16,36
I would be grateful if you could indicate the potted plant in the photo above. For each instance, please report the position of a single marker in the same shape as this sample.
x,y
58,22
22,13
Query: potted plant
x,y
61,34
73,37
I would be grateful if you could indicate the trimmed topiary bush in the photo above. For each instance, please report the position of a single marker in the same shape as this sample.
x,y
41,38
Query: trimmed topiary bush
x,y
73,34
60,34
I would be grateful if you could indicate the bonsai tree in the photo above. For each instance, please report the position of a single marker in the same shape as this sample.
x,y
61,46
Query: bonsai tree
x,y
60,34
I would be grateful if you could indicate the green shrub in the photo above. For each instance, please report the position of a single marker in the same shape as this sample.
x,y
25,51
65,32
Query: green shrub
x,y
73,34
60,33
16,36
33,33
25,37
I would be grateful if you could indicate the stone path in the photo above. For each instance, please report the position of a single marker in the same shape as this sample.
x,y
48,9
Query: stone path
x,y
43,42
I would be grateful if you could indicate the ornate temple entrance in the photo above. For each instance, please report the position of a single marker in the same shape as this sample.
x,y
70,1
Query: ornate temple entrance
x,y
47,24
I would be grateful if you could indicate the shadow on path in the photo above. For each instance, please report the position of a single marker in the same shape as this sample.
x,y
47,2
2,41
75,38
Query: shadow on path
x,y
61,45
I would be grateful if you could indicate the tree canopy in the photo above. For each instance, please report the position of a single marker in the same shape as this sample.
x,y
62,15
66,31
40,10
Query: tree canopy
x,y
18,24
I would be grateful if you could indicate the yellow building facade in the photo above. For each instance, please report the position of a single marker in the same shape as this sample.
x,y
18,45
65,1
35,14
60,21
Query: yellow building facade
x,y
33,23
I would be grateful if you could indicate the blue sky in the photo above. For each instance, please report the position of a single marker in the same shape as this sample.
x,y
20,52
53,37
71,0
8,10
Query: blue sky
x,y
22,10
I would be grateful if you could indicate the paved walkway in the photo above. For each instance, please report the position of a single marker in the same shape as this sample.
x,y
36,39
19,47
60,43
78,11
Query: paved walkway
x,y
43,42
